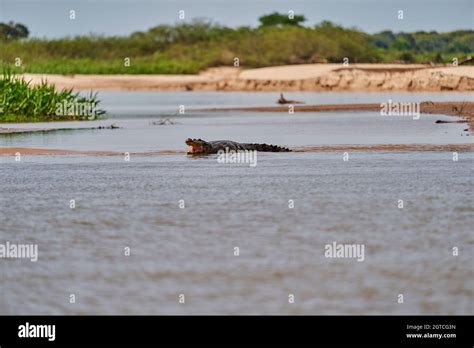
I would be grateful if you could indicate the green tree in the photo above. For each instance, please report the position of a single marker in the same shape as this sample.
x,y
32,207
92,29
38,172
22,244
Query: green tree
x,y
438,58
12,31
407,57
278,19
404,41
383,39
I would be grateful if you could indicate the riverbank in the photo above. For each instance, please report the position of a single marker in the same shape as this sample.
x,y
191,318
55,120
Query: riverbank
x,y
28,151
458,109
25,151
303,77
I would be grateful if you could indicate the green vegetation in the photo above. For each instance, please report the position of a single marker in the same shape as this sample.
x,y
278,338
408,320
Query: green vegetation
x,y
192,47
12,31
22,102
277,19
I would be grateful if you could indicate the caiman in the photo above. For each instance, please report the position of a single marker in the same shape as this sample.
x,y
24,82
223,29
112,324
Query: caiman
x,y
202,147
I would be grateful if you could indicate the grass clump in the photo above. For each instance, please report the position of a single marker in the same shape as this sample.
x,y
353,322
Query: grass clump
x,y
21,101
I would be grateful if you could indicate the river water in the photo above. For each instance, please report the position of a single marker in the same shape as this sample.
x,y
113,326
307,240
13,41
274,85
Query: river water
x,y
183,217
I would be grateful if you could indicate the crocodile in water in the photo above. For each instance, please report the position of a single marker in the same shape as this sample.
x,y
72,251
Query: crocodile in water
x,y
202,147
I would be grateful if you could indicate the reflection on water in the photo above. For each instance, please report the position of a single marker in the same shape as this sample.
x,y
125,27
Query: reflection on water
x,y
136,204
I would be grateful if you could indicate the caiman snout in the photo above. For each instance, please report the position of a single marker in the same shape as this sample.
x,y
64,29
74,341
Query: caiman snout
x,y
195,144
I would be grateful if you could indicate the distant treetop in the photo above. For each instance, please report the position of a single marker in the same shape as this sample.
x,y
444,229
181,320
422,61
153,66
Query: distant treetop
x,y
278,19
13,31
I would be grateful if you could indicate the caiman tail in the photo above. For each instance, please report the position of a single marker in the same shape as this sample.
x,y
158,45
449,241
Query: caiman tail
x,y
268,148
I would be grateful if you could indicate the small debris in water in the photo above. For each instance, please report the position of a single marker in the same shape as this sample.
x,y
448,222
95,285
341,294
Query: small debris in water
x,y
162,122
112,126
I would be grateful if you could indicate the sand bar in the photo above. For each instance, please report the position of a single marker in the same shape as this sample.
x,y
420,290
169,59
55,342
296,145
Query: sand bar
x,y
12,151
24,151
460,109
304,77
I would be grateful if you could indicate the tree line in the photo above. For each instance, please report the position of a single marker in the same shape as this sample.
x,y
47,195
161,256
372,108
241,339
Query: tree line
x,y
193,46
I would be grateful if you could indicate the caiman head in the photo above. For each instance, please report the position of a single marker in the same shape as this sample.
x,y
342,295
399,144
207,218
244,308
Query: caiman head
x,y
198,146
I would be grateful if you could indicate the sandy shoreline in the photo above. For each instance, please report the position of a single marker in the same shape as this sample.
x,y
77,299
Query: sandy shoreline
x,y
305,77
12,151
24,151
459,109
446,108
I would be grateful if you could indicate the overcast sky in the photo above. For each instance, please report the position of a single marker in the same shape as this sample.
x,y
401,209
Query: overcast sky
x,y
50,18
